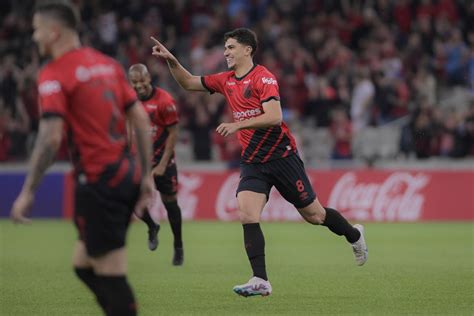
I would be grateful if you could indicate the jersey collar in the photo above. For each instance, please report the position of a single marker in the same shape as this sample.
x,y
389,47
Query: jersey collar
x,y
240,78
152,94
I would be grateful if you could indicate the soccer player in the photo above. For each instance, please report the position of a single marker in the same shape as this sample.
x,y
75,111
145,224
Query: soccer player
x,y
269,155
87,93
161,109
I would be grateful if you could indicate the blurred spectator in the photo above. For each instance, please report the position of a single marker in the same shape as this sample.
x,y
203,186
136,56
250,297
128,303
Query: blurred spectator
x,y
341,131
380,60
362,98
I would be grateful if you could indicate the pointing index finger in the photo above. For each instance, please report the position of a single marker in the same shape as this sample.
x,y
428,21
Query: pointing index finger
x,y
155,40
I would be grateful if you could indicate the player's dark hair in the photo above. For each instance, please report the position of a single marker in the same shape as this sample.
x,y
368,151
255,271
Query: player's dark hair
x,y
60,10
243,36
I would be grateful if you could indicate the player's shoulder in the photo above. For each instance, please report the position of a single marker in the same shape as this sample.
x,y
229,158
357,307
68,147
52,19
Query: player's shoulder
x,y
263,71
264,76
163,94
224,74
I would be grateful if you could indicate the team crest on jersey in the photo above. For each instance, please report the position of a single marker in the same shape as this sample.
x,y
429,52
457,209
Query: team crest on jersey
x,y
247,92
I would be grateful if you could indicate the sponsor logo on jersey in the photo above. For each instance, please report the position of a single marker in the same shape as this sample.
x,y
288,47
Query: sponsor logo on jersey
x,y
49,87
86,73
247,81
244,115
230,83
151,106
266,80
171,108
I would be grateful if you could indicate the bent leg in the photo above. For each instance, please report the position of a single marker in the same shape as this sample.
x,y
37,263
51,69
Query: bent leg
x,y
316,214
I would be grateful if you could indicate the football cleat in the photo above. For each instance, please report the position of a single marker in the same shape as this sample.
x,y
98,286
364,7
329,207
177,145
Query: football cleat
x,y
153,237
255,286
178,257
360,247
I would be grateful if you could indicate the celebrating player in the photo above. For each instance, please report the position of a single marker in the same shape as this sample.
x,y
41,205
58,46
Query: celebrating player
x,y
269,155
161,108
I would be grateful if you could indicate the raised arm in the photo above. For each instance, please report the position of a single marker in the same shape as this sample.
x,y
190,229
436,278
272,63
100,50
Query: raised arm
x,y
185,79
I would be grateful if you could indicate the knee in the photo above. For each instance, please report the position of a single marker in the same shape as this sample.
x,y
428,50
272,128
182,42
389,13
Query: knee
x,y
248,217
168,198
314,217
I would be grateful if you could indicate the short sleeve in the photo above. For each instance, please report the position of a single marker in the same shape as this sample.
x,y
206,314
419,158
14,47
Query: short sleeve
x,y
168,112
267,87
214,83
51,94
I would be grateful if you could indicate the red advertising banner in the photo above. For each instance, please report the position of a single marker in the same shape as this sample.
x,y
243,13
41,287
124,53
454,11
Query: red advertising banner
x,y
363,195
360,195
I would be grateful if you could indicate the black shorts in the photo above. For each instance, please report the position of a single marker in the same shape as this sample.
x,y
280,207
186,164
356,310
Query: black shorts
x,y
286,174
103,208
168,183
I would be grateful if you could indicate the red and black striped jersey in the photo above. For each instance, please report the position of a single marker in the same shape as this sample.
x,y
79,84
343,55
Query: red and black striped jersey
x,y
161,107
90,91
245,96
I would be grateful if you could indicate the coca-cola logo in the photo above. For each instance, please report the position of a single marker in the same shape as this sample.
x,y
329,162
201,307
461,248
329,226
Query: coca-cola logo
x,y
398,197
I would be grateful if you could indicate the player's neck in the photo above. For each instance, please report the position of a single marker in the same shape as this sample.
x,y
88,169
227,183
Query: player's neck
x,y
243,69
66,44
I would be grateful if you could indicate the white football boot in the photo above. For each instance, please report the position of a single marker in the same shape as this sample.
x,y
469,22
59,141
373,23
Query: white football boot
x,y
360,247
255,286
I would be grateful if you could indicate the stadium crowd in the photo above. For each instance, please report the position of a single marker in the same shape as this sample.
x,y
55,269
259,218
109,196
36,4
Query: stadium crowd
x,y
341,65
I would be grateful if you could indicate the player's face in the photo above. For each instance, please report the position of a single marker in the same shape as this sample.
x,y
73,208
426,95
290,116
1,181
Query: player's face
x,y
44,34
141,83
235,53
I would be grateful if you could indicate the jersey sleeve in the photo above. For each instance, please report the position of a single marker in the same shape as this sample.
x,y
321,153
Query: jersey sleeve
x,y
214,83
51,94
267,87
167,111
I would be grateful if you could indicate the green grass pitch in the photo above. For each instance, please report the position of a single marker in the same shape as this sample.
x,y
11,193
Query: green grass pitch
x,y
423,268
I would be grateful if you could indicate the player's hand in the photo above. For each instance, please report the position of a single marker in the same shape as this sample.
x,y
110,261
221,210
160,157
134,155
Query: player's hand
x,y
159,50
226,129
159,170
21,208
146,196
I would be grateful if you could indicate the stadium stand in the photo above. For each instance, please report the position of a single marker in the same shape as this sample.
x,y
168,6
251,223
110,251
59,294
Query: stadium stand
x,y
398,61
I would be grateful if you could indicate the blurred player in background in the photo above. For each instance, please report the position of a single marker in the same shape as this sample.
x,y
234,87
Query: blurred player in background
x,y
87,93
269,155
161,109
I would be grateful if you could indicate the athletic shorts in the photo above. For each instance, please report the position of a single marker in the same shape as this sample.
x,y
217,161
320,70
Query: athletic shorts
x,y
168,183
103,208
286,174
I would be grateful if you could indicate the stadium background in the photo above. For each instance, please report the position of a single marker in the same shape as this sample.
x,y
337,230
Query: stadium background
x,y
380,96
365,85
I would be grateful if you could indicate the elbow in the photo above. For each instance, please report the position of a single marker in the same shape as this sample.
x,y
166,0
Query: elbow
x,y
277,120
55,141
